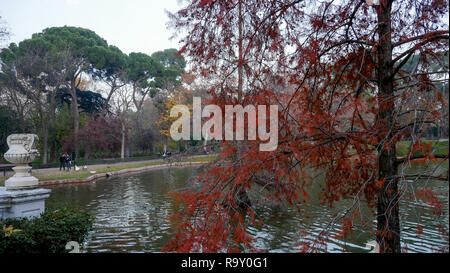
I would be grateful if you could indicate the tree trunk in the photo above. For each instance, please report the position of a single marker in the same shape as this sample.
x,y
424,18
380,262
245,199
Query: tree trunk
x,y
87,151
45,141
127,144
122,149
44,123
52,123
388,222
76,117
240,48
243,199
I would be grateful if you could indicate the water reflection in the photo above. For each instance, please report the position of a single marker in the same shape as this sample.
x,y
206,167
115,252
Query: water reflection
x,y
131,216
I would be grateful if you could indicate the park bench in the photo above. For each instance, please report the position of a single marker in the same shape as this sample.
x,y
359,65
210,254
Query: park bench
x,y
108,160
6,166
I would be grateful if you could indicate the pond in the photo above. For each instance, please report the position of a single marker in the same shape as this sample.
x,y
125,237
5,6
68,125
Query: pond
x,y
131,216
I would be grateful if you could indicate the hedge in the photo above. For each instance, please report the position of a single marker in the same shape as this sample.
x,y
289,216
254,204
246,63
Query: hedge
x,y
48,234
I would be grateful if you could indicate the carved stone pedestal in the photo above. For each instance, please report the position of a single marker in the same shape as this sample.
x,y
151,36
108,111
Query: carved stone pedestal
x,y
22,179
23,203
20,197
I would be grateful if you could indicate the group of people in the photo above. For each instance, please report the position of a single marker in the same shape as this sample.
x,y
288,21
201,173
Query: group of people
x,y
65,162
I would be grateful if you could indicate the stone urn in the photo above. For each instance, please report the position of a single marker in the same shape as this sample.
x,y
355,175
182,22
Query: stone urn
x,y
22,151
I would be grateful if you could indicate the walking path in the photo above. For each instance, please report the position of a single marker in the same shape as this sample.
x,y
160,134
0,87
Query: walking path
x,y
99,166
93,177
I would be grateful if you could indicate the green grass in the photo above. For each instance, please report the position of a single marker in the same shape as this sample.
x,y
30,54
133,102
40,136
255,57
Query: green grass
x,y
200,159
49,176
439,148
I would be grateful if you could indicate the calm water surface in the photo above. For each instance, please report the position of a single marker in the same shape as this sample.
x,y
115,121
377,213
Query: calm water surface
x,y
131,216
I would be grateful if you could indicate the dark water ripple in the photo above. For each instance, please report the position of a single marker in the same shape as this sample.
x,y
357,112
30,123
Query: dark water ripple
x,y
131,216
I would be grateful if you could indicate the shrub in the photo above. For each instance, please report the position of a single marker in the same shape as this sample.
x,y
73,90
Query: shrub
x,y
48,234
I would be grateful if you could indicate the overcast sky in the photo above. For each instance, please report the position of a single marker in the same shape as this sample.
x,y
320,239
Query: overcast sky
x,y
133,26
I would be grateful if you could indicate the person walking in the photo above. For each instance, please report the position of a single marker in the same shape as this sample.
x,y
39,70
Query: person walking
x,y
62,162
68,159
74,155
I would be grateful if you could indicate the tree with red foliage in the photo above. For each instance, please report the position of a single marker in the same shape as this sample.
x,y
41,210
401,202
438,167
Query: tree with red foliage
x,y
99,136
344,75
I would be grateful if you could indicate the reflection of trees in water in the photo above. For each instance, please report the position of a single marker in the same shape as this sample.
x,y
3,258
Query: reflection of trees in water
x,y
132,210
283,226
286,227
160,204
131,215
78,195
